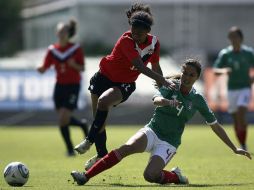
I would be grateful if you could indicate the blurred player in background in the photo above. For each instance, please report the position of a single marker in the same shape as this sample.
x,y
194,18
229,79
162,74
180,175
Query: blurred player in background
x,y
115,80
68,61
162,135
236,61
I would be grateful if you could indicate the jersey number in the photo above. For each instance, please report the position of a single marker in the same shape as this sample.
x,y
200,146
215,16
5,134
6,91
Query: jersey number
x,y
168,154
179,108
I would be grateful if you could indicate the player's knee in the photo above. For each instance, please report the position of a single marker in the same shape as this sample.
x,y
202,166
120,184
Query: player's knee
x,y
102,104
64,117
63,121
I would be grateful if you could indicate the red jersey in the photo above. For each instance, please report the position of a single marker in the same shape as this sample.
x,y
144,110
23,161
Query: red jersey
x,y
118,67
58,56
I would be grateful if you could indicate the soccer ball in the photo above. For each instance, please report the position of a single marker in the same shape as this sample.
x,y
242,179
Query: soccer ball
x,y
16,174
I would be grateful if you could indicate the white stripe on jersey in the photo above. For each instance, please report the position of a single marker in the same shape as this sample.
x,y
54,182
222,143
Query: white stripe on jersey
x,y
147,50
63,55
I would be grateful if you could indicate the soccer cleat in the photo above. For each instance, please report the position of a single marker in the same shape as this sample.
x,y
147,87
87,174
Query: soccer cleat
x,y
182,179
83,147
91,162
79,177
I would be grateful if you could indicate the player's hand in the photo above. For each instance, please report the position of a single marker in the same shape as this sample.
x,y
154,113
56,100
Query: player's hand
x,y
243,152
174,103
71,63
41,69
169,84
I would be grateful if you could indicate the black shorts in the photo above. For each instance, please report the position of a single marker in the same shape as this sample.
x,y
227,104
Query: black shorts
x,y
66,96
100,83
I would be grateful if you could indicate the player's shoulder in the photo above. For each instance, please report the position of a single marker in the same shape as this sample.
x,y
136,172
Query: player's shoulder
x,y
226,50
247,49
126,36
197,95
125,39
73,45
163,91
53,46
153,37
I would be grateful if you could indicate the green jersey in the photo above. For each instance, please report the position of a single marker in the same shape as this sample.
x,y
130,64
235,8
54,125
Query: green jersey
x,y
240,64
168,122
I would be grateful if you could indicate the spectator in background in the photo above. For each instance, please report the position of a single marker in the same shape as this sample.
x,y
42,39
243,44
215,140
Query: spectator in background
x,y
162,135
68,61
236,61
115,80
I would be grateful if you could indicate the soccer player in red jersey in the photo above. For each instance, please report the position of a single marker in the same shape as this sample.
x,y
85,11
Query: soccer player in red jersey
x,y
115,80
68,60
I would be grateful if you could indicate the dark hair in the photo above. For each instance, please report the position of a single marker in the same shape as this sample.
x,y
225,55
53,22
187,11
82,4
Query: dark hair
x,y
188,62
237,30
194,63
140,15
71,28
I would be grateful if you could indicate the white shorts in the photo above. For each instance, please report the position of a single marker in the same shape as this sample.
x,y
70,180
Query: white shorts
x,y
156,146
238,98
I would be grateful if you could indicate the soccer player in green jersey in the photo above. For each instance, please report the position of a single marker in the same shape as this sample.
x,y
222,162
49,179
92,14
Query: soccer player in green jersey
x,y
162,135
236,61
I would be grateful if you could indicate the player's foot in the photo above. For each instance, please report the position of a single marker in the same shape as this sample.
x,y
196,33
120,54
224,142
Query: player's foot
x,y
182,179
85,126
91,162
244,147
83,147
79,177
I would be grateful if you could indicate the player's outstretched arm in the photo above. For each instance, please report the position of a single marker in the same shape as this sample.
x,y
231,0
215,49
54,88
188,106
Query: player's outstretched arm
x,y
157,68
220,132
139,65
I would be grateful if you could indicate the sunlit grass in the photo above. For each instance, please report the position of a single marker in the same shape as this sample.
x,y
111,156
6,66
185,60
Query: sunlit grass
x,y
207,162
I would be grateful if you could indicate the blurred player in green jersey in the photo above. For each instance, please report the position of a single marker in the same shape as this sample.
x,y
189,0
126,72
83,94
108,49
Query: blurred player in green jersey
x,y
162,135
236,61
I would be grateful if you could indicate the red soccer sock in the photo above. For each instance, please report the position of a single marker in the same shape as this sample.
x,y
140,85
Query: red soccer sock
x,y
169,177
242,133
104,163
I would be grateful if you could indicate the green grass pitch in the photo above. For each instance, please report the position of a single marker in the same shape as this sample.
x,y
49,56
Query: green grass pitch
x,y
207,162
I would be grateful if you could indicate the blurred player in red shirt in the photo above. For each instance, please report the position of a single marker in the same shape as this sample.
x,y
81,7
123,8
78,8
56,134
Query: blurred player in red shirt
x,y
68,61
115,80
